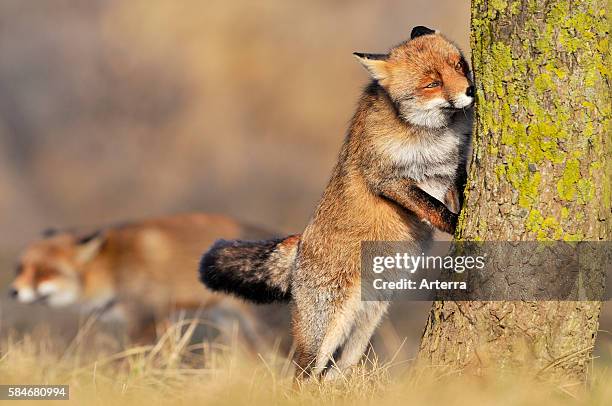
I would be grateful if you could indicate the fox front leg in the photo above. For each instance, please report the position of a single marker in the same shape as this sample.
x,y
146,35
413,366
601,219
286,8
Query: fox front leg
x,y
408,195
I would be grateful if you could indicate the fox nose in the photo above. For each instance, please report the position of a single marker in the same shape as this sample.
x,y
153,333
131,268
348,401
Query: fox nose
x,y
13,293
470,91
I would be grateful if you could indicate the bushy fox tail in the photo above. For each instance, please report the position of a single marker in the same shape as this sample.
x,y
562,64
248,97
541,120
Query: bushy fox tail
x,y
259,271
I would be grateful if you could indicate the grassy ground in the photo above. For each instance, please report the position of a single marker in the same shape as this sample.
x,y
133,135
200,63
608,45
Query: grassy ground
x,y
39,346
175,371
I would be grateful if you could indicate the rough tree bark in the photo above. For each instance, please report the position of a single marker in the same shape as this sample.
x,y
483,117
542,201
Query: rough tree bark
x,y
540,171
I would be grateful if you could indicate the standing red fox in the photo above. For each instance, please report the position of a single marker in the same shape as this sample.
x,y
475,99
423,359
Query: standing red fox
x,y
404,155
137,272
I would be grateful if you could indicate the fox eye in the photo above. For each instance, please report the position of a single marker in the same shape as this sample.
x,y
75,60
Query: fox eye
x,y
461,66
18,269
433,84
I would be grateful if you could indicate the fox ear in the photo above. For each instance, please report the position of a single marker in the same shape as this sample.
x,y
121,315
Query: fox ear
x,y
376,64
49,232
420,30
88,246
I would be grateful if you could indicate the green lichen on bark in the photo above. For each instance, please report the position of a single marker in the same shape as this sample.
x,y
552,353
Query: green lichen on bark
x,y
544,111
540,171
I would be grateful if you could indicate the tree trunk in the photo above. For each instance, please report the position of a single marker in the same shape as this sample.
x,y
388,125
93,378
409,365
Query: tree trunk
x,y
540,171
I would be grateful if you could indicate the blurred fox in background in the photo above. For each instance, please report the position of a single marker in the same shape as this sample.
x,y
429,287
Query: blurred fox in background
x,y
138,273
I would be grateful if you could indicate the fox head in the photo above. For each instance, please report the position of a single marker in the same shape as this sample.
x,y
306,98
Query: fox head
x,y
50,271
427,78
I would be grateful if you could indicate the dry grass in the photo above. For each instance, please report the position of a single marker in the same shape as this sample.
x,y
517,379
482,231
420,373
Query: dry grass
x,y
176,371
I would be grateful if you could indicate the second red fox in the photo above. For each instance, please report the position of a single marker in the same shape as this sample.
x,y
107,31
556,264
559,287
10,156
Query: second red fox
x,y
139,273
400,169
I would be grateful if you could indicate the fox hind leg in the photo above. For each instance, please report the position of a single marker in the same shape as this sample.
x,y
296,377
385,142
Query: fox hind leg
x,y
304,360
338,330
365,324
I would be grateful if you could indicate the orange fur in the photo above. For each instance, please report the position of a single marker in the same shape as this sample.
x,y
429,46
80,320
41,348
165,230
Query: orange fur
x,y
144,270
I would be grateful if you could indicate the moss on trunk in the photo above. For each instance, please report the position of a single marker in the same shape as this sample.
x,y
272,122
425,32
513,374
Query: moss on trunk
x,y
540,171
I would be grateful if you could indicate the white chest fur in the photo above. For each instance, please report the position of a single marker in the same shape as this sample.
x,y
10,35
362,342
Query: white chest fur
x,y
431,159
429,155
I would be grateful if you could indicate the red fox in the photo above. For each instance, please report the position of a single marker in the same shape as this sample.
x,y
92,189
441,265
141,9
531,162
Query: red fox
x,y
403,158
139,271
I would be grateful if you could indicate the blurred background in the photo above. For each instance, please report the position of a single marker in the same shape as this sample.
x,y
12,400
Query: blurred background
x,y
115,110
